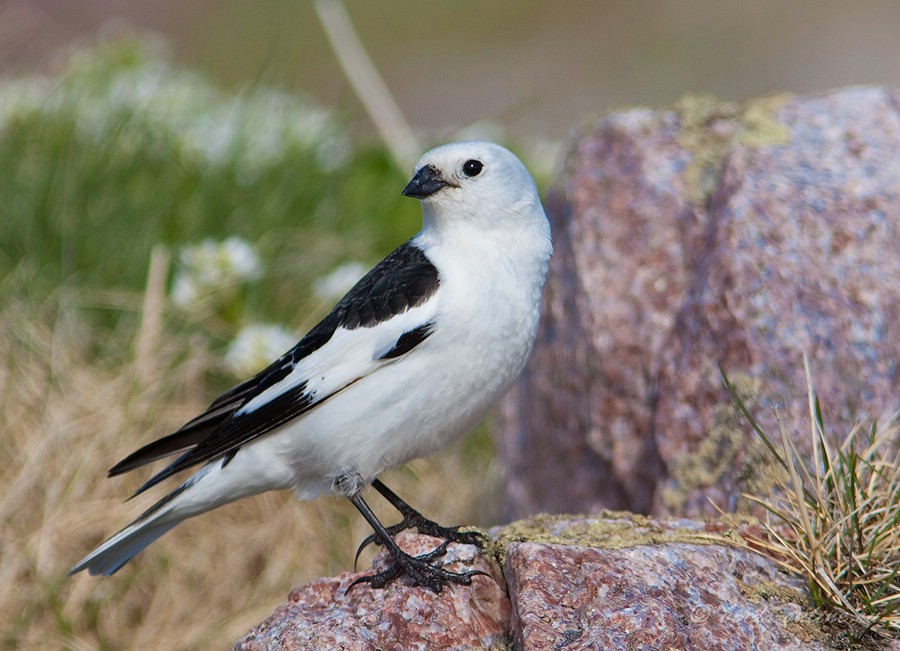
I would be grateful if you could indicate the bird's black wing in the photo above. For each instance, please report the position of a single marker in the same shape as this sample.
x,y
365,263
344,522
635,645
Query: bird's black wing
x,y
404,279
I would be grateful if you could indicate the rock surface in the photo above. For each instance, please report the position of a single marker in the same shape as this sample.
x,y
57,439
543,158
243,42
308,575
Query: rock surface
x,y
324,615
711,233
631,582
668,596
615,582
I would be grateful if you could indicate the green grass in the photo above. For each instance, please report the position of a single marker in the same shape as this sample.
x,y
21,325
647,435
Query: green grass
x,y
835,519
122,152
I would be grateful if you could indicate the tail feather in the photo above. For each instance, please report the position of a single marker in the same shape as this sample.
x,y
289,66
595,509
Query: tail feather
x,y
211,486
134,538
121,548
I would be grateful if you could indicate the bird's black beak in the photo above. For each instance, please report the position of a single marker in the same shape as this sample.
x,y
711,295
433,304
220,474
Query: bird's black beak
x,y
425,183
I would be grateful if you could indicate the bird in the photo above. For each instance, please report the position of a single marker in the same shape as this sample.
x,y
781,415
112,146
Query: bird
x,y
409,360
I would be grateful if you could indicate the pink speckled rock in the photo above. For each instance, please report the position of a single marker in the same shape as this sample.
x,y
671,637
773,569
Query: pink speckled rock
x,y
708,233
619,581
323,615
669,596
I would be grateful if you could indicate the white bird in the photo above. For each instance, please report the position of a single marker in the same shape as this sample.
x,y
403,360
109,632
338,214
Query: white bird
x,y
410,359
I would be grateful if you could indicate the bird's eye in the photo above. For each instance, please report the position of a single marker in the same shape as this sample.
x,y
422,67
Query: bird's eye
x,y
472,167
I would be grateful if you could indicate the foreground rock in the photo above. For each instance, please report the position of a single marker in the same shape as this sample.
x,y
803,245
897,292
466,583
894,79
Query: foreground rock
x,y
705,234
667,596
325,615
618,582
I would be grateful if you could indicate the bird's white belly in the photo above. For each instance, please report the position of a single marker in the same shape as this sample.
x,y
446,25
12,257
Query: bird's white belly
x,y
405,410
401,412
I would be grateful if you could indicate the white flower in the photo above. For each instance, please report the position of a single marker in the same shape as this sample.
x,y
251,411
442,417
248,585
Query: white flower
x,y
215,262
141,96
241,258
334,285
256,346
185,291
214,267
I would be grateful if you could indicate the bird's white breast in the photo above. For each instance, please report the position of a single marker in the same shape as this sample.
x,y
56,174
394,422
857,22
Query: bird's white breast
x,y
485,319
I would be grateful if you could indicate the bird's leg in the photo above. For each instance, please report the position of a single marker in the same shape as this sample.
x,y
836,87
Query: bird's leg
x,y
418,568
414,519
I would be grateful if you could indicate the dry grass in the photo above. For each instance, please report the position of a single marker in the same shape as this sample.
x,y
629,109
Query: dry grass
x,y
836,521
65,421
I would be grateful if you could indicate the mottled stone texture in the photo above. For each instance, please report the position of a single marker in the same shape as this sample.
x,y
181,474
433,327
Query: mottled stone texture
x,y
710,233
324,615
670,596
619,581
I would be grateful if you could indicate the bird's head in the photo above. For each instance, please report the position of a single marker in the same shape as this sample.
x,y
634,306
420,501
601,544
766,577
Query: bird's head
x,y
480,183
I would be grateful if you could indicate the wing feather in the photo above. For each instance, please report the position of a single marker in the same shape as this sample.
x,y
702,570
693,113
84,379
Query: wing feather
x,y
318,367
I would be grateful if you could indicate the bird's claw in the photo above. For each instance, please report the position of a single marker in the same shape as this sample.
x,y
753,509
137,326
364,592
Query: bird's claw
x,y
427,527
420,571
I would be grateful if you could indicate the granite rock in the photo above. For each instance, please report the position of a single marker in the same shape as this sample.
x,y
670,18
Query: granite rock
x,y
324,614
711,233
617,581
667,596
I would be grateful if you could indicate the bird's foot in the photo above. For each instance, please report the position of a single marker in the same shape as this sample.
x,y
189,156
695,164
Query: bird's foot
x,y
415,520
420,571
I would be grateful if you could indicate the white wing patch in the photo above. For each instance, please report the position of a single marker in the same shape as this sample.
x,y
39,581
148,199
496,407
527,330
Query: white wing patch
x,y
348,356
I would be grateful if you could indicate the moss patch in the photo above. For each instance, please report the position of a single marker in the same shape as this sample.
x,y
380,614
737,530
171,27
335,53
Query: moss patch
x,y
606,530
766,590
712,128
728,455
811,624
837,630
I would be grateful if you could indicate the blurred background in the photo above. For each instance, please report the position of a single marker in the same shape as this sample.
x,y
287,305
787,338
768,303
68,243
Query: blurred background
x,y
186,187
535,69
